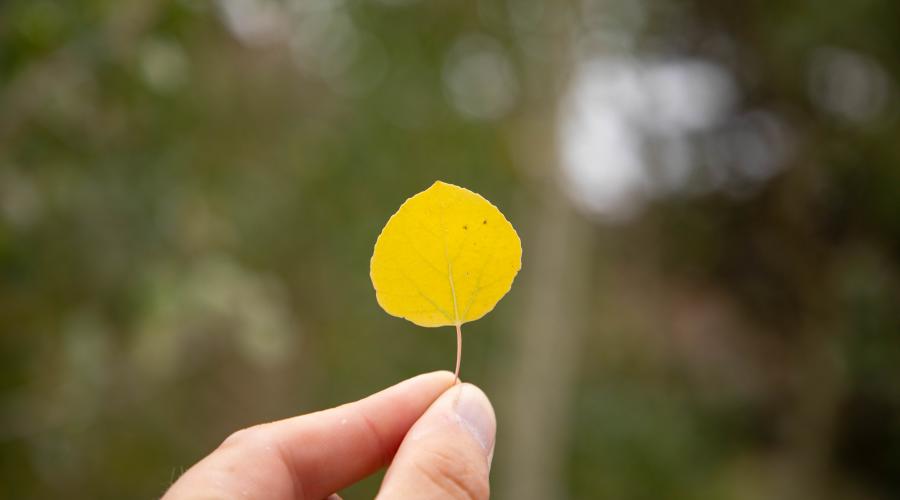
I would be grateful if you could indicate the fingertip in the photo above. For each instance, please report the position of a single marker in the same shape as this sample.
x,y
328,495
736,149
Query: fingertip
x,y
448,451
477,414
427,386
467,406
442,375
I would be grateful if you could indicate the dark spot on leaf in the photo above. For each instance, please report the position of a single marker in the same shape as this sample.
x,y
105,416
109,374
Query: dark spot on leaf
x,y
484,221
465,227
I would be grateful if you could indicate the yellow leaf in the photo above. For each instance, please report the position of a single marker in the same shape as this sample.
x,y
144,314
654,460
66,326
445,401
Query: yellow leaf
x,y
445,258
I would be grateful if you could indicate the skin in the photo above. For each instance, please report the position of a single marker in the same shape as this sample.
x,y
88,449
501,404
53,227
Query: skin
x,y
436,437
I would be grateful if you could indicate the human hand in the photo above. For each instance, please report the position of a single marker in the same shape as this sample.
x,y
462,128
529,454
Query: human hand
x,y
436,437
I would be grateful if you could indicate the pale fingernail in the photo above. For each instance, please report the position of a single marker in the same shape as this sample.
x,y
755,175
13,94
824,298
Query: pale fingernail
x,y
477,416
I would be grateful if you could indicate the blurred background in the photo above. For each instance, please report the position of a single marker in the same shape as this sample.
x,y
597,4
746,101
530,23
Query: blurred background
x,y
708,195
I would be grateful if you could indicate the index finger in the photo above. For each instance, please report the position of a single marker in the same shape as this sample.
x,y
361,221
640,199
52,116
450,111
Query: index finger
x,y
311,456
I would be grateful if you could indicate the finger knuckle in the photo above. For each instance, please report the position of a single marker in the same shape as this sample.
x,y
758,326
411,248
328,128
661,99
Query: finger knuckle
x,y
255,436
454,476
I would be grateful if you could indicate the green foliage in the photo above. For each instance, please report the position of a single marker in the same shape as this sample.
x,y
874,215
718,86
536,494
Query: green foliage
x,y
188,205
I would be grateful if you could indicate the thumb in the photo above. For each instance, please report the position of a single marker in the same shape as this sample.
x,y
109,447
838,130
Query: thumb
x,y
447,453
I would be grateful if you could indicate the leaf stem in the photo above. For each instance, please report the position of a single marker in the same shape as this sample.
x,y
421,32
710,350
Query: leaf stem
x,y
458,349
